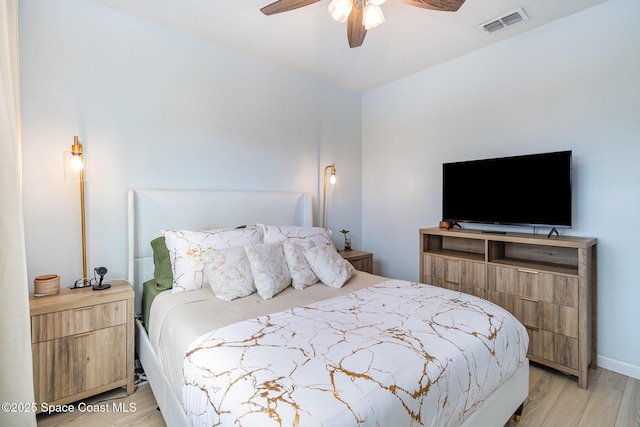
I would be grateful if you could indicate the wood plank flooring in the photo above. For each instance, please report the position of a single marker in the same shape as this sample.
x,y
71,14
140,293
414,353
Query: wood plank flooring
x,y
143,414
612,400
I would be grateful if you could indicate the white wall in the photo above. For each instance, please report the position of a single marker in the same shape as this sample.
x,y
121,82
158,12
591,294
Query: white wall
x,y
570,85
154,108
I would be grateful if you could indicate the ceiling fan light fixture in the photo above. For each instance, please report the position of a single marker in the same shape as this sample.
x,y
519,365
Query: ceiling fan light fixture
x,y
340,9
360,15
372,16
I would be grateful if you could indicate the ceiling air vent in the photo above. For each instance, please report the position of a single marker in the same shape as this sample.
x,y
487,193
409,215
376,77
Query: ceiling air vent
x,y
504,21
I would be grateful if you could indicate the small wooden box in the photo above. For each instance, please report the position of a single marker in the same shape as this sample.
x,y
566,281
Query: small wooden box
x,y
46,285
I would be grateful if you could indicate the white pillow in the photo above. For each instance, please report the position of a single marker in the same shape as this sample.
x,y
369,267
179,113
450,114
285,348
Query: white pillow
x,y
299,269
269,268
329,266
280,233
229,273
187,247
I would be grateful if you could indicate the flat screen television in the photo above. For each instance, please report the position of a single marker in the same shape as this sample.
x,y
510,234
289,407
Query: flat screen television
x,y
532,190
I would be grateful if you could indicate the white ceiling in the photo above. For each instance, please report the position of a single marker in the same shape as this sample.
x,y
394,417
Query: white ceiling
x,y
310,41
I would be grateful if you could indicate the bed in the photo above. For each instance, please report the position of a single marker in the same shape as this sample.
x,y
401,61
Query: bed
x,y
357,354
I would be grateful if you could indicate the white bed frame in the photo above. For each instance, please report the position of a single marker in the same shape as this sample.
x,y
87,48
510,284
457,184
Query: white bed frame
x,y
152,210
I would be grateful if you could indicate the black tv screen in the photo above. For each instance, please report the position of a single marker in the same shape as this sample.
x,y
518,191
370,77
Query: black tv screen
x,y
533,190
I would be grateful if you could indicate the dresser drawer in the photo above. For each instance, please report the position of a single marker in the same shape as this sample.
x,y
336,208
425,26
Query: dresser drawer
x,y
558,349
537,314
76,321
458,287
70,365
455,271
556,288
456,274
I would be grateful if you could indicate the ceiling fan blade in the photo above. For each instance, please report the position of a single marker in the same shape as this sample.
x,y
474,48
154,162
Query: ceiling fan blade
x,y
441,5
355,28
285,6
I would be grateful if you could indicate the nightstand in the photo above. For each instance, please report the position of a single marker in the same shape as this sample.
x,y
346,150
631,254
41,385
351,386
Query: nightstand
x,y
362,261
82,342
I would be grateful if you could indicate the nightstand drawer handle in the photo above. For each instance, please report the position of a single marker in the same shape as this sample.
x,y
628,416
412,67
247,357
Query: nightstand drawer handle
x,y
522,270
528,298
82,334
453,282
532,328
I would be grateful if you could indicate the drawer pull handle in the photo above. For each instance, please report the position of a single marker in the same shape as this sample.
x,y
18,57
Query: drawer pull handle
x,y
453,282
528,298
522,270
533,328
82,334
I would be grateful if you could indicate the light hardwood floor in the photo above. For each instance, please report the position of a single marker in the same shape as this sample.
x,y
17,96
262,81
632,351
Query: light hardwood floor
x,y
612,400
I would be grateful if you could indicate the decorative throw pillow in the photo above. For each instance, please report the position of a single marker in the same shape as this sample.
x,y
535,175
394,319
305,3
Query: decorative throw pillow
x,y
299,269
162,264
269,268
280,233
329,266
187,247
229,273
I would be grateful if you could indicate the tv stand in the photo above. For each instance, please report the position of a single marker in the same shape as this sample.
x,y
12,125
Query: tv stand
x,y
549,285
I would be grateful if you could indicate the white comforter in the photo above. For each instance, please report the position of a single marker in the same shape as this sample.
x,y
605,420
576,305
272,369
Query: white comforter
x,y
393,354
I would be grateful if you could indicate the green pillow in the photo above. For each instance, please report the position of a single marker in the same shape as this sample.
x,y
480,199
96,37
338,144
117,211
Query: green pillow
x,y
162,272
149,292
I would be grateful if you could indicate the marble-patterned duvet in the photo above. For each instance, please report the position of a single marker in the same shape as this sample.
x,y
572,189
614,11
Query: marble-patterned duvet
x,y
394,354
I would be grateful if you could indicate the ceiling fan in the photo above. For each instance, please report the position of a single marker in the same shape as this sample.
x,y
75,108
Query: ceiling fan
x,y
362,15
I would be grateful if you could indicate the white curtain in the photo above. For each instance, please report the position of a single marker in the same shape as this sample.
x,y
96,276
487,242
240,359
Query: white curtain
x,y
16,375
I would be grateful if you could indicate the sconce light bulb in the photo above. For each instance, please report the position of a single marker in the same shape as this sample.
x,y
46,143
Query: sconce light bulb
x,y
332,178
76,163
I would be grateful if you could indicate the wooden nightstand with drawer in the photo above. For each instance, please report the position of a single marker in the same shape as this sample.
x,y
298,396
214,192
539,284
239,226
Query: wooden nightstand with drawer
x,y
82,342
362,261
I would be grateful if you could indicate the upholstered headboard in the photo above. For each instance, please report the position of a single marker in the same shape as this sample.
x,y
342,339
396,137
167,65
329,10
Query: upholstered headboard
x,y
151,210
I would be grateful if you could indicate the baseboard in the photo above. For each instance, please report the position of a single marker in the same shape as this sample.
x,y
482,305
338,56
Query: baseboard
x,y
623,368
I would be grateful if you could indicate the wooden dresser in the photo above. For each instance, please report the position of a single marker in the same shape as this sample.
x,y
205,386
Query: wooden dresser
x,y
549,284
82,342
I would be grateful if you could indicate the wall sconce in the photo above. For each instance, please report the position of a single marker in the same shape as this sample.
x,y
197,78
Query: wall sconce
x,y
332,181
74,165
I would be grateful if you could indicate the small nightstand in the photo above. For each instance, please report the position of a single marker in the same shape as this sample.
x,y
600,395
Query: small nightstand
x,y
82,342
362,261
